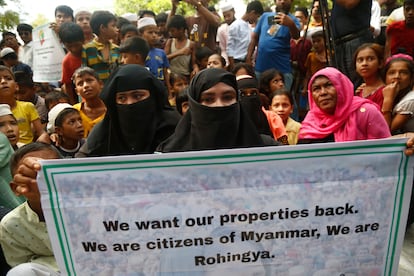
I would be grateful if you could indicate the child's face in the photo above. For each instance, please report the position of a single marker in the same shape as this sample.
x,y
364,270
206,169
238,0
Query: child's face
x,y
131,58
60,18
179,84
176,33
282,107
129,34
74,47
409,14
150,34
276,83
10,128
367,63
110,31
318,44
203,63
83,19
8,86
400,73
72,127
88,87
214,61
25,93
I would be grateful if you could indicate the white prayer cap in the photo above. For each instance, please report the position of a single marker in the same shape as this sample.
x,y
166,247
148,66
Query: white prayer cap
x,y
226,6
132,17
54,113
6,51
5,110
146,21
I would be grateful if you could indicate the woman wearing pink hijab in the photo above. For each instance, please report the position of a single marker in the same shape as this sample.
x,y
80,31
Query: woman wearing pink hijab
x,y
336,115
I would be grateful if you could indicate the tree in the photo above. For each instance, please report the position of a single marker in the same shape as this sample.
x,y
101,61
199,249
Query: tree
x,y
124,6
8,18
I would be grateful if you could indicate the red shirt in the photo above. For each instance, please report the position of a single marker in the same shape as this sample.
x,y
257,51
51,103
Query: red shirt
x,y
69,65
401,37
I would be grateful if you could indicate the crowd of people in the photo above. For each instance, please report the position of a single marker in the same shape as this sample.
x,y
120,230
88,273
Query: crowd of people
x,y
144,82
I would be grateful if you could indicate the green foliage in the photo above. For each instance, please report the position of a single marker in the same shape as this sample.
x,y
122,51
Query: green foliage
x,y
8,20
134,6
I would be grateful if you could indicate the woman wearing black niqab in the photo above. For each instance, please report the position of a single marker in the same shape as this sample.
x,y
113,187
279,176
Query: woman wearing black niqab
x,y
214,127
131,127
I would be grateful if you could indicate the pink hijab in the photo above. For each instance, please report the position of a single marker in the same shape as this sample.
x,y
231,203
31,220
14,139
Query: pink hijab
x,y
343,123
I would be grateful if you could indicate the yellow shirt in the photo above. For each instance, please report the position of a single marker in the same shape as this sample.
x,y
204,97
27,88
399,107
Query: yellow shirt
x,y
87,122
25,113
292,129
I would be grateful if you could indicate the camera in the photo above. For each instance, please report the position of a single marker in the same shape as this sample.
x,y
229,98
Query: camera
x,y
271,20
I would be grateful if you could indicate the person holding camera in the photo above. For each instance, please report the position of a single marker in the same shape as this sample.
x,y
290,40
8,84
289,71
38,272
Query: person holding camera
x,y
272,37
203,25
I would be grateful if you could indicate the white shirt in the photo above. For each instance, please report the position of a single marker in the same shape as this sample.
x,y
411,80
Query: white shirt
x,y
26,54
239,38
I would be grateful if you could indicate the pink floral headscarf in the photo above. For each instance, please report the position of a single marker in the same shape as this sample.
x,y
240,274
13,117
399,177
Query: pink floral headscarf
x,y
343,123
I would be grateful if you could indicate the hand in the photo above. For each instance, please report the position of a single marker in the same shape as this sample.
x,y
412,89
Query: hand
x,y
25,177
283,19
410,144
360,88
184,51
391,90
54,26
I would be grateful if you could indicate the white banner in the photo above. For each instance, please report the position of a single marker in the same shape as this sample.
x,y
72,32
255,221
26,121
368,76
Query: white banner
x,y
327,209
47,55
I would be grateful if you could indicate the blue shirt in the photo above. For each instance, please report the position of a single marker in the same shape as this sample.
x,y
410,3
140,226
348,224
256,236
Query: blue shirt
x,y
273,51
157,61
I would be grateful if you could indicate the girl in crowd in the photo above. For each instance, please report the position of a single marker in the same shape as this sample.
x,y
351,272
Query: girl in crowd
x,y
271,80
215,119
398,106
138,115
368,60
216,61
337,115
282,105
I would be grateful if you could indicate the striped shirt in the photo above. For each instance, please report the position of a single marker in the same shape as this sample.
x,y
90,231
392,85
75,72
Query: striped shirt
x,y
92,57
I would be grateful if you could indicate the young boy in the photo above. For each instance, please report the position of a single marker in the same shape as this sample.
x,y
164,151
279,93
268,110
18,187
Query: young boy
x,y
101,54
134,50
9,126
27,93
24,112
66,122
179,49
127,31
316,59
202,54
71,35
23,233
83,19
54,97
157,60
92,109
10,59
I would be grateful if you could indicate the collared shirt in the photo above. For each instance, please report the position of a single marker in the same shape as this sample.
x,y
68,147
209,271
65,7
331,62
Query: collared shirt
x,y
92,57
24,238
26,54
239,38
